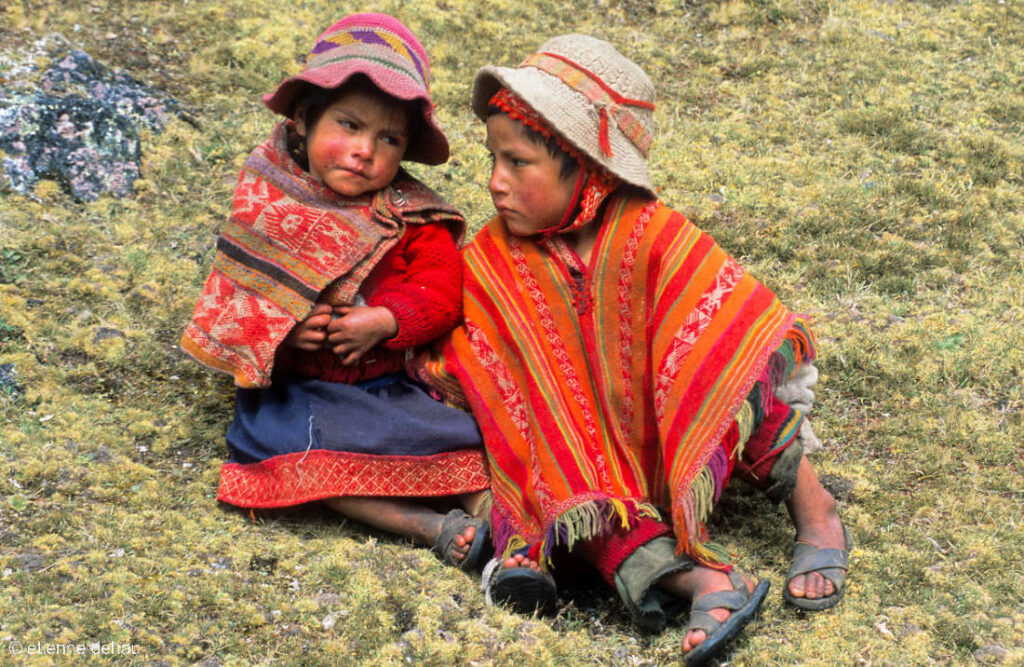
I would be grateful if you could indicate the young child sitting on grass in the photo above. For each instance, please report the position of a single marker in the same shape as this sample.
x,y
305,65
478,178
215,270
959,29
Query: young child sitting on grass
x,y
621,366
336,264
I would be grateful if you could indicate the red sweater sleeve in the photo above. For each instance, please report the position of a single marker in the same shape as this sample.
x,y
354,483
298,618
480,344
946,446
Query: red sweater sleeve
x,y
420,282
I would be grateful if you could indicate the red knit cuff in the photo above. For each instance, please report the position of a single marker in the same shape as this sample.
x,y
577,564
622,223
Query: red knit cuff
x,y
405,316
607,552
416,324
778,430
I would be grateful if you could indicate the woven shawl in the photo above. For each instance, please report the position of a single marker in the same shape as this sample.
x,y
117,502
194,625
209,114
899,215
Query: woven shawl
x,y
288,239
604,393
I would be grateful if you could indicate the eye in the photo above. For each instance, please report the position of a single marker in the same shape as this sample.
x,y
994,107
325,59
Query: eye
x,y
392,140
519,162
347,124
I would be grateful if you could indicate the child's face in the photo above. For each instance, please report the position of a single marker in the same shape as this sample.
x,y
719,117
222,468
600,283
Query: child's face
x,y
526,183
357,144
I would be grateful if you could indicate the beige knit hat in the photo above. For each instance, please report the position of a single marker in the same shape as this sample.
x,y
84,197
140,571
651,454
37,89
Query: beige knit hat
x,y
595,98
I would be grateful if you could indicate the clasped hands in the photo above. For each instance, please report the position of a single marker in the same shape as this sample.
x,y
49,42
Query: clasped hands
x,y
348,331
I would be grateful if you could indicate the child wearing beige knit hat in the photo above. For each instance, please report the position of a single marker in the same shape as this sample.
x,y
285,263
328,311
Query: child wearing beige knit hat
x,y
622,367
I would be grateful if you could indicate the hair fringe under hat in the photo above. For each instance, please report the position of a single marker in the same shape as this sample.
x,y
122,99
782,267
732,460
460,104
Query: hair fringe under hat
x,y
388,53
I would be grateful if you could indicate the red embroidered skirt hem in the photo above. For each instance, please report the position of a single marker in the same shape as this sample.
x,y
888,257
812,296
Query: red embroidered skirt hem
x,y
301,477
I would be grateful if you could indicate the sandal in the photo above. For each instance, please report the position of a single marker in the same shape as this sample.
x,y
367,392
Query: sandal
x,y
521,589
829,563
455,523
744,607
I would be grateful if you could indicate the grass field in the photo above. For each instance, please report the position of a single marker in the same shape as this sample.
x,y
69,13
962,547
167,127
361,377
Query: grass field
x,y
865,159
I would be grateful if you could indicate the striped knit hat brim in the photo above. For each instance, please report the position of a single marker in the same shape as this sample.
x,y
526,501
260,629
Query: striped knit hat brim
x,y
590,94
380,47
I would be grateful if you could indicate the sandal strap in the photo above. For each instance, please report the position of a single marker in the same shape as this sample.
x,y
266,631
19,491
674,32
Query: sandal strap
x,y
455,522
829,563
807,558
732,600
702,620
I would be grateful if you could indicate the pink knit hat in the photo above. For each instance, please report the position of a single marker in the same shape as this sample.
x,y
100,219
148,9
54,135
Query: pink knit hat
x,y
387,52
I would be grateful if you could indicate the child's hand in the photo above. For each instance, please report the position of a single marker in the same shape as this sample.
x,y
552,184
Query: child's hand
x,y
358,329
310,333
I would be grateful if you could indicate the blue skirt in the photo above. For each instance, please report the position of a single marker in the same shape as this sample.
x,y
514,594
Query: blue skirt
x,y
303,439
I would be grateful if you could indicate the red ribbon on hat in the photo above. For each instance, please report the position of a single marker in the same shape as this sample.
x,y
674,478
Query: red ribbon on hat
x,y
599,93
602,139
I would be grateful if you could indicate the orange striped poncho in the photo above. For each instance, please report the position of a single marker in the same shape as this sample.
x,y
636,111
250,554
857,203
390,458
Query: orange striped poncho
x,y
602,390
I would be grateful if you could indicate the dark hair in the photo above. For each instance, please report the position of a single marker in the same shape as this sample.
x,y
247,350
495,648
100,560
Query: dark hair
x,y
569,163
313,101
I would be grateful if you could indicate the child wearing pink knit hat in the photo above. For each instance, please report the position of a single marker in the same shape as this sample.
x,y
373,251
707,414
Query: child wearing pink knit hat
x,y
334,265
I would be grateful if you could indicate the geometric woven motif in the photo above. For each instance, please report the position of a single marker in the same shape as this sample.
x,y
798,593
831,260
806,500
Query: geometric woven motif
x,y
301,477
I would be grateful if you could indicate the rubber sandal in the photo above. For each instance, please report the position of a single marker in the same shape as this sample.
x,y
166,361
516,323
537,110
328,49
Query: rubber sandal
x,y
520,589
744,608
455,523
829,563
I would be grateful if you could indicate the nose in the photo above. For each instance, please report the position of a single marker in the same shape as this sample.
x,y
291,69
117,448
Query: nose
x,y
497,183
362,146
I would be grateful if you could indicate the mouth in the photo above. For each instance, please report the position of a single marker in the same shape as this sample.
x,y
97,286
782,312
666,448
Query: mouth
x,y
353,171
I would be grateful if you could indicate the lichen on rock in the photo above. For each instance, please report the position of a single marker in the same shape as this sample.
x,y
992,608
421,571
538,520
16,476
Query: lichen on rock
x,y
67,117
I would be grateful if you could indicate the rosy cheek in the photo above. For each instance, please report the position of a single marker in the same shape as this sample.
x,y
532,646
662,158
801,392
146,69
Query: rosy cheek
x,y
329,146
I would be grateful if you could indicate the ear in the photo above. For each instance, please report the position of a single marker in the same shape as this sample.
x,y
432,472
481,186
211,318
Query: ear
x,y
300,119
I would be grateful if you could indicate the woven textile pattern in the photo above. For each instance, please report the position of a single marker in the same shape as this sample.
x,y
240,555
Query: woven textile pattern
x,y
292,479
389,50
288,239
591,414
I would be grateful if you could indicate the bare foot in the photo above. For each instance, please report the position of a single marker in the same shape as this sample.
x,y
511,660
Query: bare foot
x,y
695,584
519,560
813,510
518,583
462,542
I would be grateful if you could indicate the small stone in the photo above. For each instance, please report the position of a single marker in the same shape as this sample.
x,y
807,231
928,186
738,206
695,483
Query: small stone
x,y
77,123
841,489
106,333
8,386
331,619
31,561
991,653
328,599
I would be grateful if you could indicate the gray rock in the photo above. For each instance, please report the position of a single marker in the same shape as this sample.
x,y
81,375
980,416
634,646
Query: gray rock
x,y
78,123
